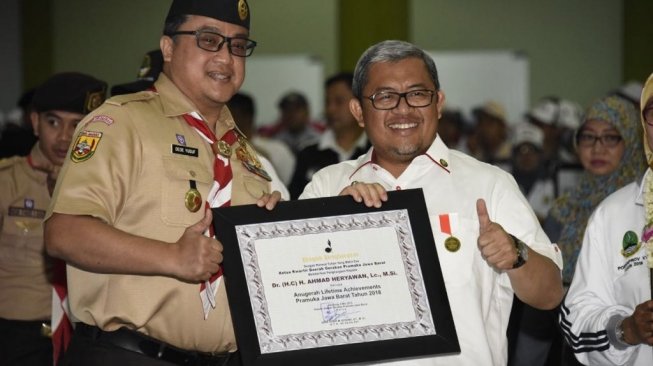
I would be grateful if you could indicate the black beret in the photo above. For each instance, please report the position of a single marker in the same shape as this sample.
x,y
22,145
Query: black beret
x,y
151,67
230,11
71,92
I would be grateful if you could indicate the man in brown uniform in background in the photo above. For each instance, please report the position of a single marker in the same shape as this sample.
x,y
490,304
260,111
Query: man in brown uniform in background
x,y
129,211
59,105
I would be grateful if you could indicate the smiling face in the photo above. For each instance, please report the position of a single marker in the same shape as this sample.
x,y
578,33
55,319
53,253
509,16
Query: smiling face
x,y
55,132
599,159
402,133
208,79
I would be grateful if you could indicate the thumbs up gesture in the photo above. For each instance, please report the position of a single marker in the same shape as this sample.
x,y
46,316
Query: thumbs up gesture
x,y
496,246
199,256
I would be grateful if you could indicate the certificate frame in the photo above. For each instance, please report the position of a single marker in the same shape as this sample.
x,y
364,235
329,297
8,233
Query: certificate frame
x,y
229,223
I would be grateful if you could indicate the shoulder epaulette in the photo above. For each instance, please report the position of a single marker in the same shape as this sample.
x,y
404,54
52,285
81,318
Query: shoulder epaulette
x,y
9,162
134,97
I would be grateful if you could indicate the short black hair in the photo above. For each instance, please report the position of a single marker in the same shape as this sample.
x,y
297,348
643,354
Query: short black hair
x,y
242,102
346,77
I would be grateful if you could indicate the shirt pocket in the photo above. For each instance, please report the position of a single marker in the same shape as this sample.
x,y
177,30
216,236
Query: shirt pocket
x,y
22,241
456,258
255,186
179,173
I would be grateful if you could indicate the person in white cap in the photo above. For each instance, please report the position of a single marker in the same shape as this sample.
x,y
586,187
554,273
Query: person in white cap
x,y
528,169
489,141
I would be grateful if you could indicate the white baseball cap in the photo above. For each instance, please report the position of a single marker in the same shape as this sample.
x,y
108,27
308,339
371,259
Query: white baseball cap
x,y
525,132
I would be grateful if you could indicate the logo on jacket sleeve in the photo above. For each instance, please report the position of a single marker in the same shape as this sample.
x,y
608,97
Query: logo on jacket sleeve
x,y
85,146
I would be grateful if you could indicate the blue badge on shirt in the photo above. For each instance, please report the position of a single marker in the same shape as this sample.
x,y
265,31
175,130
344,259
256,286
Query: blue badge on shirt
x,y
181,140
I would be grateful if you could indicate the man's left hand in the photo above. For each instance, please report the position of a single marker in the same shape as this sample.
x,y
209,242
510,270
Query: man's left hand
x,y
496,246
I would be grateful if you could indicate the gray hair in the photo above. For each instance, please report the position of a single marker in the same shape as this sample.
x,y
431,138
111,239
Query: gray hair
x,y
389,51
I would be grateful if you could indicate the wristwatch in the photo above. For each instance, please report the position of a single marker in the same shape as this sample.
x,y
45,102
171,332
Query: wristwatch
x,y
619,331
522,252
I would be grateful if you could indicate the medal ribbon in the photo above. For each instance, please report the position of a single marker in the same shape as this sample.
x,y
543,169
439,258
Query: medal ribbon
x,y
445,224
219,196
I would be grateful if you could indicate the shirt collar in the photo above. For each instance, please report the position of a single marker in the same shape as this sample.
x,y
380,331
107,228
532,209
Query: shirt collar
x,y
437,154
175,104
642,185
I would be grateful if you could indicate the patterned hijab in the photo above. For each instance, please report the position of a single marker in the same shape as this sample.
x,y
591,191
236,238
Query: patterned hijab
x,y
573,208
647,93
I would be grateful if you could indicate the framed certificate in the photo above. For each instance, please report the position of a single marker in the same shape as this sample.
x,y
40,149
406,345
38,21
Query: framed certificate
x,y
330,281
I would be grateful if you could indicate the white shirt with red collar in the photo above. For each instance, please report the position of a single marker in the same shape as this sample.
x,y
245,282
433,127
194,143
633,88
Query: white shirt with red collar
x,y
480,298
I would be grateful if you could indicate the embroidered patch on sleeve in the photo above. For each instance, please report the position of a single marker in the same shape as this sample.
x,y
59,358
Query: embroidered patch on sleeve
x,y
85,146
102,118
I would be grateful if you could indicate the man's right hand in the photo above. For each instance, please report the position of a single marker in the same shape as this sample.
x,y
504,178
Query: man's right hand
x,y
372,194
199,256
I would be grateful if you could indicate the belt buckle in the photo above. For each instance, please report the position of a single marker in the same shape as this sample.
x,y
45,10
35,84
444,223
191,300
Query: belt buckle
x,y
46,330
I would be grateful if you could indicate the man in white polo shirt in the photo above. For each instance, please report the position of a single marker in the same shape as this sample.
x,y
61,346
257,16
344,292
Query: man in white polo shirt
x,y
502,249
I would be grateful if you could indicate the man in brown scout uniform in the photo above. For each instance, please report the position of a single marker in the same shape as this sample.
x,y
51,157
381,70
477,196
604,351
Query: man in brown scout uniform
x,y
25,272
129,213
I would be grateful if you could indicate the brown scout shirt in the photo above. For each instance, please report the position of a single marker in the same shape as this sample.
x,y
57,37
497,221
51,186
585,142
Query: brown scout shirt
x,y
133,180
25,290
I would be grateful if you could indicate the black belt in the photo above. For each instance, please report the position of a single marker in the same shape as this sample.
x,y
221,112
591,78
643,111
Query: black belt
x,y
136,342
35,326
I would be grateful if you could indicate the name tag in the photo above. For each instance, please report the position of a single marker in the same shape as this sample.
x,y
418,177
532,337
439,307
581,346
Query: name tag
x,y
26,212
185,150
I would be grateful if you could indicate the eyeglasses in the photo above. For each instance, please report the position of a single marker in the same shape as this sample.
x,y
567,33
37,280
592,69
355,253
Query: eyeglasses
x,y
589,140
212,41
647,113
390,100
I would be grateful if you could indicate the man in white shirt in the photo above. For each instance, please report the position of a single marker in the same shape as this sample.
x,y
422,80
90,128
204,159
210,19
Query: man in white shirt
x,y
398,101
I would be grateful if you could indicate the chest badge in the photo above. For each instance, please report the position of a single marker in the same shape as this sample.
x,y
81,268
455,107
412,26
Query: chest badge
x,y
452,244
630,244
249,159
181,139
193,198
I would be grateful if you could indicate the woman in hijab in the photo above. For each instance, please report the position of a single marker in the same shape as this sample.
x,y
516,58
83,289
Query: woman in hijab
x,y
607,315
609,147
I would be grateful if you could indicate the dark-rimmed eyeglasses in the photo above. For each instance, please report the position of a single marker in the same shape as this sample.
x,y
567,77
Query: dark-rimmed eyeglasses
x,y
585,139
385,100
213,42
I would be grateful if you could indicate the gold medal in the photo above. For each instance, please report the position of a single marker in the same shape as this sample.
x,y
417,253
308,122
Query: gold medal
x,y
193,200
452,244
224,149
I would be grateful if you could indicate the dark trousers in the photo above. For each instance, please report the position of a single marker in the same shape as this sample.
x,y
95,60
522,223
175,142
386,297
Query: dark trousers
x,y
545,339
22,343
91,346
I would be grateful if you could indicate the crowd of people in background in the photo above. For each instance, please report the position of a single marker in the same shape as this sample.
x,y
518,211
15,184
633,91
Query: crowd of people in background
x,y
563,158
